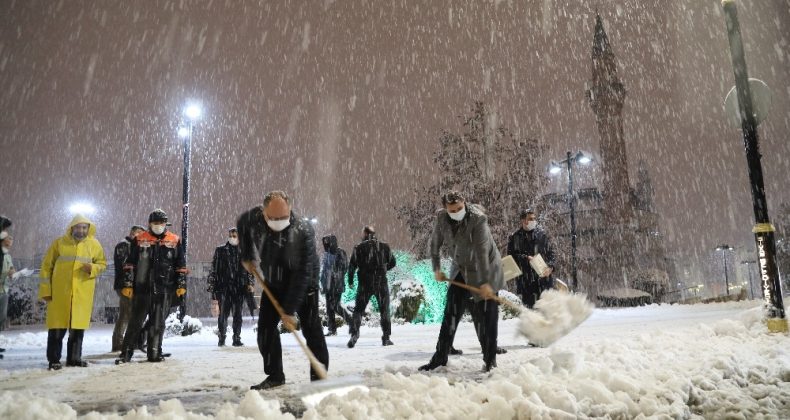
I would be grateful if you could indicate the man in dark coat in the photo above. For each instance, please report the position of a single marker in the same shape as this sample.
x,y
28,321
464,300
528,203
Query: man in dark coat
x,y
333,273
373,259
120,255
155,273
285,245
524,244
475,261
229,283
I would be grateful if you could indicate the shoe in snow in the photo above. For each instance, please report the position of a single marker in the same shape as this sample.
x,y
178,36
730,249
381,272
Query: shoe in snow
x,y
221,342
501,350
237,343
455,352
489,366
330,333
55,366
430,366
77,363
353,341
386,342
269,382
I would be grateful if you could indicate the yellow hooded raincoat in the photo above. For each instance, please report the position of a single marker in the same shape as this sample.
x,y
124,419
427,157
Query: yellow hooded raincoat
x,y
63,279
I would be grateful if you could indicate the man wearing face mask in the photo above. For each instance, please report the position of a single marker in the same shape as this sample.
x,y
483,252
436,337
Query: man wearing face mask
x,y
373,259
120,255
285,245
333,273
229,283
476,261
68,279
155,271
523,244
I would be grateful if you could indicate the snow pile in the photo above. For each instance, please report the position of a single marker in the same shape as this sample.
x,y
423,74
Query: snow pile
x,y
175,327
659,375
507,311
555,315
252,406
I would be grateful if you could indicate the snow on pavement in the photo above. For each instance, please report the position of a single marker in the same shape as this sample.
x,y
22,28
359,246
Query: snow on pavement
x,y
699,361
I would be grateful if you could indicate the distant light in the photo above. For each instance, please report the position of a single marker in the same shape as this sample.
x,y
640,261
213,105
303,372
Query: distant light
x,y
554,168
313,220
183,132
584,159
193,111
81,208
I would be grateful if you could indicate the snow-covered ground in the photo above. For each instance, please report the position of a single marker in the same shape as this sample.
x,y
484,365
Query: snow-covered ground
x,y
700,361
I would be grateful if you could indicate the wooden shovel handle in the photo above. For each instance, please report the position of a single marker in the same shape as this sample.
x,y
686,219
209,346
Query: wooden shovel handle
x,y
318,367
479,292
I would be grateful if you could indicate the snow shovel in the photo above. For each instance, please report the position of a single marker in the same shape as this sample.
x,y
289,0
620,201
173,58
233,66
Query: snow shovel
x,y
318,367
555,315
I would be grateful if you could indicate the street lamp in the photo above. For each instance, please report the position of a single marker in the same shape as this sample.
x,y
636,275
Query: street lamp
x,y
748,265
82,208
554,169
193,113
723,248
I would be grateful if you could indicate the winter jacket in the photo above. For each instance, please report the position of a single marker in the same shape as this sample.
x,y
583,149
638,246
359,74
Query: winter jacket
x,y
333,266
63,279
120,256
5,279
156,264
472,248
373,259
227,275
523,243
288,259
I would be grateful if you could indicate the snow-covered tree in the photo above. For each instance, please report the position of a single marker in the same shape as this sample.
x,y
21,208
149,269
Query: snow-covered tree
x,y
490,165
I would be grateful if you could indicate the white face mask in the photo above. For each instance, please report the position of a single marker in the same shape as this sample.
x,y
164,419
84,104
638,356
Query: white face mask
x,y
3,235
157,229
233,241
459,215
532,224
278,225
5,250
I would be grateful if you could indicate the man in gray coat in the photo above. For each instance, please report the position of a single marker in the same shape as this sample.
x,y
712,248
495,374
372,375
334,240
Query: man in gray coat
x,y
464,230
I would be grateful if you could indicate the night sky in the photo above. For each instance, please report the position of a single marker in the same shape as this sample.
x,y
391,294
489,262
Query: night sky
x,y
340,103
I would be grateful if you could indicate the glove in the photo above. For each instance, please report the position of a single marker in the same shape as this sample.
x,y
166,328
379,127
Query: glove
x,y
181,292
128,292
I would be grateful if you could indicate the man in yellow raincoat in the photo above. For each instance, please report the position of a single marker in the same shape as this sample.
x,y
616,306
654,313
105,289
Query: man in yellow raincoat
x,y
68,279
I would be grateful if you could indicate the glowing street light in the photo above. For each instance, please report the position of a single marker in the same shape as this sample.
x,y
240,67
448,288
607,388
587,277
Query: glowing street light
x,y
193,112
554,169
82,208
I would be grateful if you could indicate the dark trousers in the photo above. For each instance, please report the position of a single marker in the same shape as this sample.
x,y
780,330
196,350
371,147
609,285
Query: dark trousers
x,y
124,313
334,306
73,345
485,316
157,308
269,336
382,293
230,302
533,288
250,298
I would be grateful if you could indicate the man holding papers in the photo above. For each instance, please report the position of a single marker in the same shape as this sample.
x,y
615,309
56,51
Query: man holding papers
x,y
531,249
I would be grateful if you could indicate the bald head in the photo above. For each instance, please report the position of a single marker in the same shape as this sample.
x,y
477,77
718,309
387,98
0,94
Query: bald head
x,y
276,206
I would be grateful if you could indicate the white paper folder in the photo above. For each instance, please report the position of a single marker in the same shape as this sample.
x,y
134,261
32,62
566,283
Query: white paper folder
x,y
509,268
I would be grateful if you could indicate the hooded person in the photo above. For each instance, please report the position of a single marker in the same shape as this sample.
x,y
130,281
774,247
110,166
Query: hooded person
x,y
120,255
68,280
333,272
154,272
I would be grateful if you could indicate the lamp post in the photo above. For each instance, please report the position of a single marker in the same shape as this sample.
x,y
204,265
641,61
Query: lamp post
x,y
556,168
763,229
748,265
192,112
724,248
